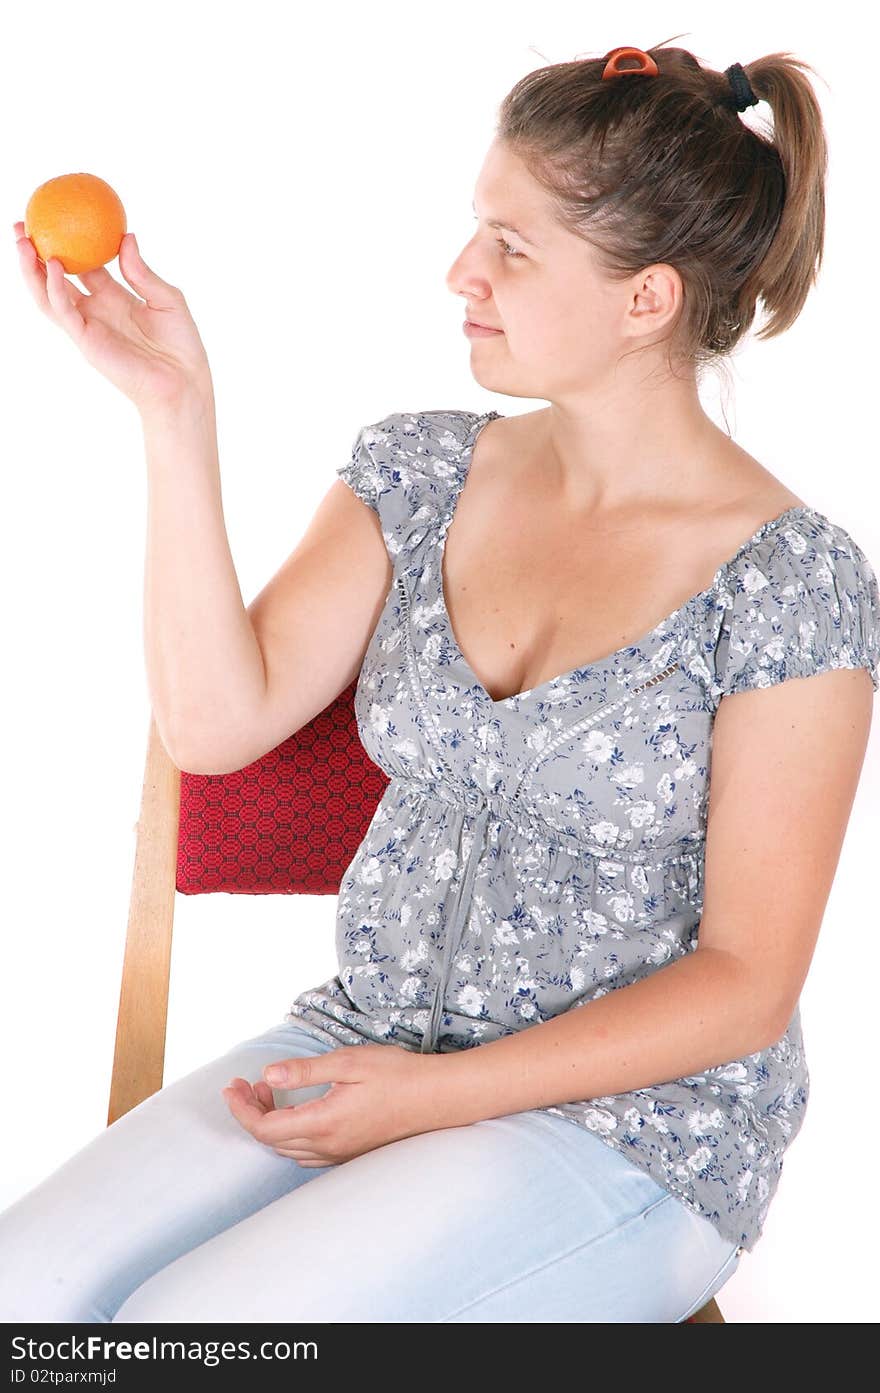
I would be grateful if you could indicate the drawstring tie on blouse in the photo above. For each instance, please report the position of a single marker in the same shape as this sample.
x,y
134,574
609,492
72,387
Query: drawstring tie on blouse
x,y
457,925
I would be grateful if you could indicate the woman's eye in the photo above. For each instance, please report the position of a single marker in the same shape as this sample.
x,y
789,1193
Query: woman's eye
x,y
505,246
508,249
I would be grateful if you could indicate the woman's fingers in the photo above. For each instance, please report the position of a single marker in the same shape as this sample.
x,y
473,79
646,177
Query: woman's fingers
x,y
303,1158
264,1094
63,298
101,279
300,1149
33,270
159,294
36,275
55,296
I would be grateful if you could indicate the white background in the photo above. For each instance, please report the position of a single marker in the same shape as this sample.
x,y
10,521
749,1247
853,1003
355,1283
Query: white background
x,y
306,180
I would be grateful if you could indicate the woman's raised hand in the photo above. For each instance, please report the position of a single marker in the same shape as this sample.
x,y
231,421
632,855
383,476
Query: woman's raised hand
x,y
145,343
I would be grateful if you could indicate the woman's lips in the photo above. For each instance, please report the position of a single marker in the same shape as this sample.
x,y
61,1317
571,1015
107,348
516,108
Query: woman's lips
x,y
479,331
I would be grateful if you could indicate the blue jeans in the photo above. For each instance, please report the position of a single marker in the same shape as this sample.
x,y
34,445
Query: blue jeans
x,y
175,1213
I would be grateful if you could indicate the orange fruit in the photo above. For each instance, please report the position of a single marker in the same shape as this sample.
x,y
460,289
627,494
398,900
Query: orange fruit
x,y
77,218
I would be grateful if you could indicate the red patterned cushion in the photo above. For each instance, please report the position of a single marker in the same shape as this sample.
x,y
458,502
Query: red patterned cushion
x,y
289,823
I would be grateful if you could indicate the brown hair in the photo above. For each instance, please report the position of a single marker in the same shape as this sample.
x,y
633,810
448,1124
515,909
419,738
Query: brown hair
x,y
664,169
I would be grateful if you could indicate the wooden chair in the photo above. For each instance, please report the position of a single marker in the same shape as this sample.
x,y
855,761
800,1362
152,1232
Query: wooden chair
x,y
289,823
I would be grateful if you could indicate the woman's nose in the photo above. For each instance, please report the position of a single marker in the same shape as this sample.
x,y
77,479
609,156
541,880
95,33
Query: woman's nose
x,y
463,269
453,275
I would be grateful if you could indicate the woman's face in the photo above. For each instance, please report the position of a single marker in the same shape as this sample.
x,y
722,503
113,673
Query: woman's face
x,y
564,324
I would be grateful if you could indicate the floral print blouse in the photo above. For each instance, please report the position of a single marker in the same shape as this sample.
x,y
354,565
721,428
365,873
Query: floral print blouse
x,y
531,854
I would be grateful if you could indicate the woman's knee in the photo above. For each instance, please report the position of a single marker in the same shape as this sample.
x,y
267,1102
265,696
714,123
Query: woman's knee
x,y
162,1179
44,1275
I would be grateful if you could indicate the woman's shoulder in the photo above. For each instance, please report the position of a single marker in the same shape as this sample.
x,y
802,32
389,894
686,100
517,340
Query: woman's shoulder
x,y
799,597
406,466
405,434
803,545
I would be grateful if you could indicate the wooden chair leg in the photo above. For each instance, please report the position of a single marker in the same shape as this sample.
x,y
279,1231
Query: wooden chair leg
x,y
139,1058
709,1312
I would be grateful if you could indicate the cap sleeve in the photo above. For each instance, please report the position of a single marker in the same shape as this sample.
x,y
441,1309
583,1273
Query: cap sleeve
x,y
804,601
360,473
405,467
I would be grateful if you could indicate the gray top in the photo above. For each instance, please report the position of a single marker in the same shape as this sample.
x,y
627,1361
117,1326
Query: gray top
x,y
533,853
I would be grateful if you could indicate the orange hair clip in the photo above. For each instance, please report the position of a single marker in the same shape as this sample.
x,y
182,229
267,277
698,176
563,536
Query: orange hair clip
x,y
647,66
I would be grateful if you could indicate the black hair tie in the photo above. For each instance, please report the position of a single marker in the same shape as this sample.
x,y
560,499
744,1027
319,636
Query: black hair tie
x,y
742,92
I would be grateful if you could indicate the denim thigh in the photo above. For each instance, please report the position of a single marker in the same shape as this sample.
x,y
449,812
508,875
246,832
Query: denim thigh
x,y
524,1217
161,1180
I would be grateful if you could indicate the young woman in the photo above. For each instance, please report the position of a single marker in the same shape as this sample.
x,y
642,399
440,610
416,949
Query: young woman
x,y
556,617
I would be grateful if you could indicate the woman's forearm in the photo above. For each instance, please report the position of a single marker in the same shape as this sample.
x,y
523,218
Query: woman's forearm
x,y
698,1012
204,665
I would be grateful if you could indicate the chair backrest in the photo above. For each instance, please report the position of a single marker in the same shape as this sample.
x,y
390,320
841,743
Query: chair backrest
x,y
287,824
